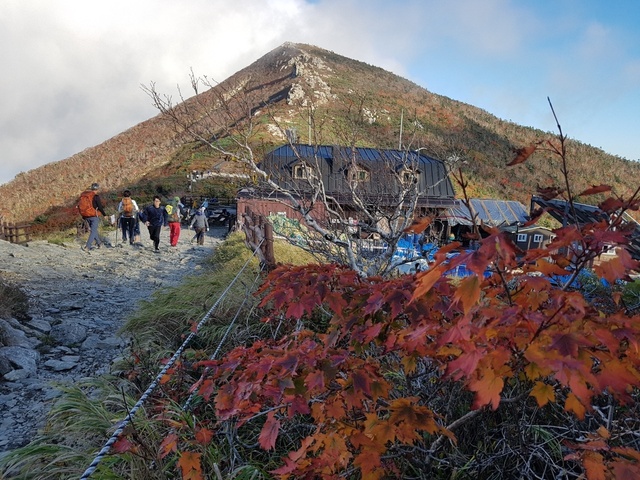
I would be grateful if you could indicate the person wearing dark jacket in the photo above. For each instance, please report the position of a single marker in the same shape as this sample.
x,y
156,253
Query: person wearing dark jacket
x,y
155,217
91,216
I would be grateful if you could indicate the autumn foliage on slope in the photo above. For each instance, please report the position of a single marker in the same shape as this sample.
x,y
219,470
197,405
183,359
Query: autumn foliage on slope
x,y
379,378
509,339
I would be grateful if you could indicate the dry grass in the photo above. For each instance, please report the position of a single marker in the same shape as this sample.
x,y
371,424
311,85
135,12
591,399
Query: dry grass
x,y
14,303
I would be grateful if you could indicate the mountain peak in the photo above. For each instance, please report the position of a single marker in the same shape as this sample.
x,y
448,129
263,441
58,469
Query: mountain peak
x,y
378,106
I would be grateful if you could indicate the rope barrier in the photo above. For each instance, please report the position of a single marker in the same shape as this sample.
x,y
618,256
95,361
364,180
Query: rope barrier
x,y
187,404
114,437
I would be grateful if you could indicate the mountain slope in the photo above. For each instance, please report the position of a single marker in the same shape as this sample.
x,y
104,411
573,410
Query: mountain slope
x,y
282,79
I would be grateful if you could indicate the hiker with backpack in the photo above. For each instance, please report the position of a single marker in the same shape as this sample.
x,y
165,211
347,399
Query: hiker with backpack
x,y
89,206
200,223
155,217
128,209
174,210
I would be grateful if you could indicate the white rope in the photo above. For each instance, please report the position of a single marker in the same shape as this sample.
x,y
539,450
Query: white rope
x,y
187,404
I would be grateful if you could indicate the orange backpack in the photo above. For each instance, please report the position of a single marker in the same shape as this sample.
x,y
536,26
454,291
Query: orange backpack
x,y
127,207
85,205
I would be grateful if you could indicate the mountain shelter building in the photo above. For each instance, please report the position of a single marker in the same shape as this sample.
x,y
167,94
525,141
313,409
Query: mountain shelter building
x,y
376,173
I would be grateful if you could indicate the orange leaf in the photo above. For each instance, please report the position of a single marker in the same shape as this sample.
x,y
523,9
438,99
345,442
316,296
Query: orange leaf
x,y
168,445
409,363
368,461
595,189
468,292
574,405
487,388
426,280
625,470
627,452
189,464
543,393
379,430
269,432
547,268
594,466
522,154
617,267
204,436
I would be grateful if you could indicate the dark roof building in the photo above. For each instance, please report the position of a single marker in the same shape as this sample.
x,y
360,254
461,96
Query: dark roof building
x,y
377,174
561,210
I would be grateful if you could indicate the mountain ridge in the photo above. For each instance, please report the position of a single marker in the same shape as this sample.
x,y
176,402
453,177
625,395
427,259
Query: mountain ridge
x,y
281,78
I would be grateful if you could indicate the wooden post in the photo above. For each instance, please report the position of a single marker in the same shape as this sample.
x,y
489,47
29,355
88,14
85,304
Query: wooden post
x,y
15,233
268,245
259,237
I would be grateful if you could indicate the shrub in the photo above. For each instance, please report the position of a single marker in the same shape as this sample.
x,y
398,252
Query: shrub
x,y
14,303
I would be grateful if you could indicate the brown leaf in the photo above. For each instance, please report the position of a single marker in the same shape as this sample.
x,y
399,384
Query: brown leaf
x,y
419,225
548,193
595,189
522,154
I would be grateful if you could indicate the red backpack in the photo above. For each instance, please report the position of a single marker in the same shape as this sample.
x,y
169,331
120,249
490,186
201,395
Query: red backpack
x,y
85,205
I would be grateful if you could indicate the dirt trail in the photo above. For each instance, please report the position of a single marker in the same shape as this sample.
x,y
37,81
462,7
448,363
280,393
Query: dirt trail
x,y
78,302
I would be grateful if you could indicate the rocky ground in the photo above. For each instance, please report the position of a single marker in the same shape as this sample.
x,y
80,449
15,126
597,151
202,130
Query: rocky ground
x,y
78,302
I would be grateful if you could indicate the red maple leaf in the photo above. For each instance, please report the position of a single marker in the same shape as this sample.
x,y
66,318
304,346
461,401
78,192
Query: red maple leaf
x,y
269,432
419,225
123,445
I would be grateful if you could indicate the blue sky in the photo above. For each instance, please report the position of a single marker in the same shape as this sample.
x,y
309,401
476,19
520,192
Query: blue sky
x,y
72,69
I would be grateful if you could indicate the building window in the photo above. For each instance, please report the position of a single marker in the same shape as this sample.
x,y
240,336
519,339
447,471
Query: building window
x,y
302,171
537,238
409,176
522,237
358,175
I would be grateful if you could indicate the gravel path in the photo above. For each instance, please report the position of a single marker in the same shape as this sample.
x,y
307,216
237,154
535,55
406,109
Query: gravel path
x,y
79,299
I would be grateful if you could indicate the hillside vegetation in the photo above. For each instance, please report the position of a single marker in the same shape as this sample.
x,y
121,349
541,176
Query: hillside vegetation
x,y
442,126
